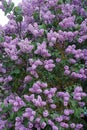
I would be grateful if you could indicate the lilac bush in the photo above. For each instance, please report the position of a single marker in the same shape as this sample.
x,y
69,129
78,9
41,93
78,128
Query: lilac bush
x,y
43,65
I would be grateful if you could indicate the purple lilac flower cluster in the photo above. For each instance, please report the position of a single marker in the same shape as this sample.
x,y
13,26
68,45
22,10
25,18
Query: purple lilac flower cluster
x,y
43,65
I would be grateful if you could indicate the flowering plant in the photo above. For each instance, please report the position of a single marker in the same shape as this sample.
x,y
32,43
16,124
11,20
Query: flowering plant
x,y
43,65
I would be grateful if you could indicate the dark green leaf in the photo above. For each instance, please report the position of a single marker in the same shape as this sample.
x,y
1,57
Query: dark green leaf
x,y
19,18
17,10
43,26
16,71
5,4
1,39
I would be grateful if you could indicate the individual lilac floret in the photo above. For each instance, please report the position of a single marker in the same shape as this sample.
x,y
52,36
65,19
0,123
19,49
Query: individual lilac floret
x,y
8,79
27,79
43,125
30,125
45,113
2,69
68,112
29,98
49,65
52,38
66,70
39,102
72,125
58,60
78,93
29,113
81,104
64,125
50,93
3,124
53,106
41,50
33,67
34,29
65,96
59,119
72,61
54,127
79,127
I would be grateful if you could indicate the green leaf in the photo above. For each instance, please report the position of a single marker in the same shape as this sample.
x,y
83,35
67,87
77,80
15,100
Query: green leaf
x,y
26,122
5,128
77,112
46,120
12,116
17,10
54,115
77,27
79,19
36,15
42,120
1,39
16,71
6,108
2,105
43,26
60,1
73,103
48,127
19,18
8,8
13,36
11,7
5,4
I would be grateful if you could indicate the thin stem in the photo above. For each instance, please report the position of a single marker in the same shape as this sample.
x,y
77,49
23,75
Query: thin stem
x,y
19,29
